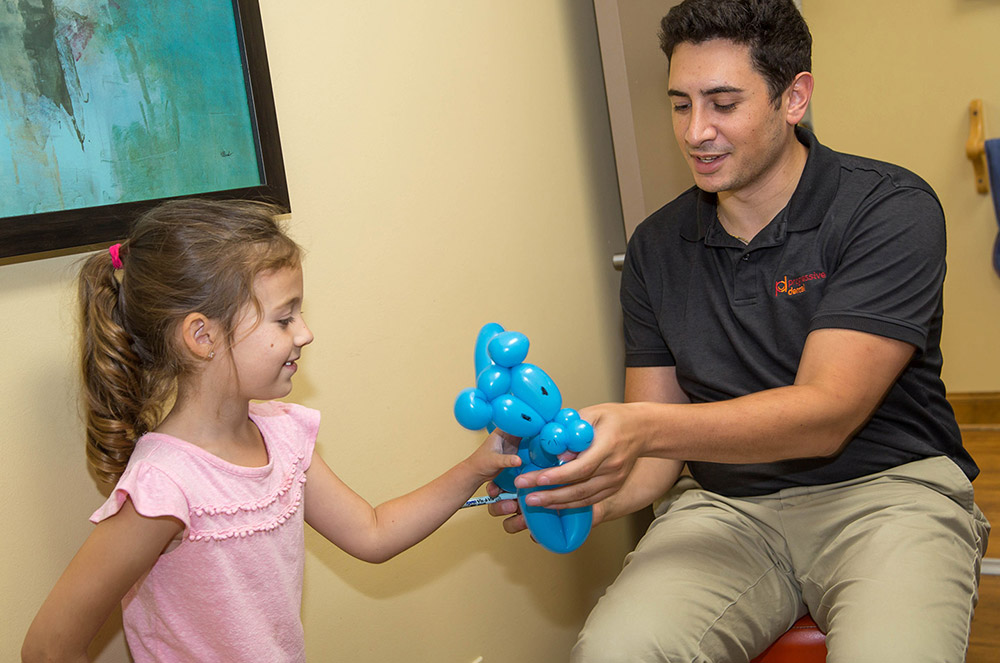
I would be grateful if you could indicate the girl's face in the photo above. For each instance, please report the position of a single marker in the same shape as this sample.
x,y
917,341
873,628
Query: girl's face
x,y
266,348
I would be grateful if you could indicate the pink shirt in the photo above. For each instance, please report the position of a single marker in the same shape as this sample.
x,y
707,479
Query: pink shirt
x,y
232,589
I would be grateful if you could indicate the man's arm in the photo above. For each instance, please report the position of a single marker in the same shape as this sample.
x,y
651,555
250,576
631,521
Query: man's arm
x,y
842,377
649,478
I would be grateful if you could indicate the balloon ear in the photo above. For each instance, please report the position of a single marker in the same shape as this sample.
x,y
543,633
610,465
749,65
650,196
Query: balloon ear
x,y
482,357
472,409
508,348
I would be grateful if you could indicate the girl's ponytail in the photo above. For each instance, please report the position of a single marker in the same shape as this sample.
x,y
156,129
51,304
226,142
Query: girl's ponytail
x,y
113,384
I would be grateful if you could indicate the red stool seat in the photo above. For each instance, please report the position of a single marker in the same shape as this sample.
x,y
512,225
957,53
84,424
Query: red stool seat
x,y
803,643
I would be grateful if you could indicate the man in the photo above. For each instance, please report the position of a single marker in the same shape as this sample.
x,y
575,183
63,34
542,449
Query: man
x,y
782,328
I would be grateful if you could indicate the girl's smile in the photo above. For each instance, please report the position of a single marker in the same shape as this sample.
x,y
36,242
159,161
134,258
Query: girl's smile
x,y
269,340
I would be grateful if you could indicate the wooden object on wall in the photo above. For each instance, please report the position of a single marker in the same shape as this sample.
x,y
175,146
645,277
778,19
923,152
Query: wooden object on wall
x,y
975,147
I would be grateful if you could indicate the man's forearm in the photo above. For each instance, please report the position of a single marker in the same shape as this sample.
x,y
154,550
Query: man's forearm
x,y
650,479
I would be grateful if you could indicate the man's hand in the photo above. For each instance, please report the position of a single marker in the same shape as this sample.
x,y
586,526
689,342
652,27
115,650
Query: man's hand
x,y
599,471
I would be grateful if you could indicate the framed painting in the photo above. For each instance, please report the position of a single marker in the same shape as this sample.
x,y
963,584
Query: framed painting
x,y
108,106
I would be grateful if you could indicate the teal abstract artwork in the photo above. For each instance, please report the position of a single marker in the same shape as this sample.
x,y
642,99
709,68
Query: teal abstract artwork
x,y
105,102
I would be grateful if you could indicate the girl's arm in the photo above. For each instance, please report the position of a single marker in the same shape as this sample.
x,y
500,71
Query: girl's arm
x,y
378,534
115,555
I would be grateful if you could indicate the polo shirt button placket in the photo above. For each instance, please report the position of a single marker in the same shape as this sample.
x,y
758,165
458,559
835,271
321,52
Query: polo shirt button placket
x,y
746,280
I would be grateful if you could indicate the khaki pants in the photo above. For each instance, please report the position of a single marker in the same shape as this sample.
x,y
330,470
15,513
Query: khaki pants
x,y
888,566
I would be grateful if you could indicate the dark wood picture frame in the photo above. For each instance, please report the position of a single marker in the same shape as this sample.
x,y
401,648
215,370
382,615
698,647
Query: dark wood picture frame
x,y
63,229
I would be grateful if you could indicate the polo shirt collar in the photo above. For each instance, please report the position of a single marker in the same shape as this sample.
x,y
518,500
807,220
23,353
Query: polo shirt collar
x,y
814,194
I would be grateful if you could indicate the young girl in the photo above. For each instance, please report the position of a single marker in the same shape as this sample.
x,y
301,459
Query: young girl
x,y
202,539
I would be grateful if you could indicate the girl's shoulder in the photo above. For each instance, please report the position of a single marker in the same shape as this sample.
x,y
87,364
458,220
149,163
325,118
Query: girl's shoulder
x,y
281,410
151,481
287,424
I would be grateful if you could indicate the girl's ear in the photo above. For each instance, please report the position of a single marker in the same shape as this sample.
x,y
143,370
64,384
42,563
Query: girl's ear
x,y
198,334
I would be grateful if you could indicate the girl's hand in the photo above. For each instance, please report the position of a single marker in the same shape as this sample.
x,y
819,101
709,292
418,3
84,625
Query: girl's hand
x,y
515,523
497,452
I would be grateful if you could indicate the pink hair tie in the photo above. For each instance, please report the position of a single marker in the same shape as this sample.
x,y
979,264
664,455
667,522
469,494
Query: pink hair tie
x,y
116,260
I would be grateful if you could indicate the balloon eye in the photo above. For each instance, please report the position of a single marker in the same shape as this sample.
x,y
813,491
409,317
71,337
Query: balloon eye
x,y
544,392
526,417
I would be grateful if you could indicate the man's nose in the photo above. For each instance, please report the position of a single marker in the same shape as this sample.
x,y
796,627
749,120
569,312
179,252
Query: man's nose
x,y
700,128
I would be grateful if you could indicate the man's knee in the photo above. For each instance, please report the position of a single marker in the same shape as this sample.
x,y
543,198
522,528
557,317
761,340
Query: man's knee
x,y
874,645
899,625
630,638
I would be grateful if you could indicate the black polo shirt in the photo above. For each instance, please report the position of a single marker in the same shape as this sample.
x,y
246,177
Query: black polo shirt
x,y
860,245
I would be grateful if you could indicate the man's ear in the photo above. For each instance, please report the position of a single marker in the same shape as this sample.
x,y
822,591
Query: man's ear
x,y
798,95
198,334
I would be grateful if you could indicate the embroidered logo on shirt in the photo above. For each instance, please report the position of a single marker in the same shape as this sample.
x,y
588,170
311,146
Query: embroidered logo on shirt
x,y
797,285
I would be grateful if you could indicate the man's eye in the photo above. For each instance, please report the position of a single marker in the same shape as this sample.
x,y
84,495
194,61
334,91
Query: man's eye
x,y
725,108
681,108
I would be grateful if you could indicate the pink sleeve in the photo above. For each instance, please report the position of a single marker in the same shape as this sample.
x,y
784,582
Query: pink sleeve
x,y
290,424
308,421
152,492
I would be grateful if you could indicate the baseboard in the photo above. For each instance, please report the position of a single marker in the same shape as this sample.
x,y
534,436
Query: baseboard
x,y
976,408
991,566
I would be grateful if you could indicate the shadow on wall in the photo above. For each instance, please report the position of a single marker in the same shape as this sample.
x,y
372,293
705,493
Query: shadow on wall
x,y
605,198
527,567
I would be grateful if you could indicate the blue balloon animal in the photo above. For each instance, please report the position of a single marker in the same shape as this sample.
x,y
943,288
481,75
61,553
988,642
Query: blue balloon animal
x,y
522,400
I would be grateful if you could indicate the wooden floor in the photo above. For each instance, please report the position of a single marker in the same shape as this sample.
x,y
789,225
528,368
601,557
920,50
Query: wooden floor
x,y
984,445
984,645
979,416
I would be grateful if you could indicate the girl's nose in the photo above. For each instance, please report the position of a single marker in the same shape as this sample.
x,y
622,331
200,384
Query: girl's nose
x,y
305,335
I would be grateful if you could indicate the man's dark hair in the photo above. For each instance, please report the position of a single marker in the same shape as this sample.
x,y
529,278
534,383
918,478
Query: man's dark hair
x,y
775,32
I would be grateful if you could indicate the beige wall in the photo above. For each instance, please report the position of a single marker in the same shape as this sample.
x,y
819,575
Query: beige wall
x,y
450,164
894,82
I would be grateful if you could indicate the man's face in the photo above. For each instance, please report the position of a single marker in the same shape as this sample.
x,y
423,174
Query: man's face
x,y
727,128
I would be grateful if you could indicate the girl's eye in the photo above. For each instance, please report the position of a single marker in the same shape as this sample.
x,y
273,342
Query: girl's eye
x,y
284,322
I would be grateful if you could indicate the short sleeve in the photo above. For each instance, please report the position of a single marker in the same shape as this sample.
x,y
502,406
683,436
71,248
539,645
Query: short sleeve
x,y
307,421
889,275
290,425
153,494
644,343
